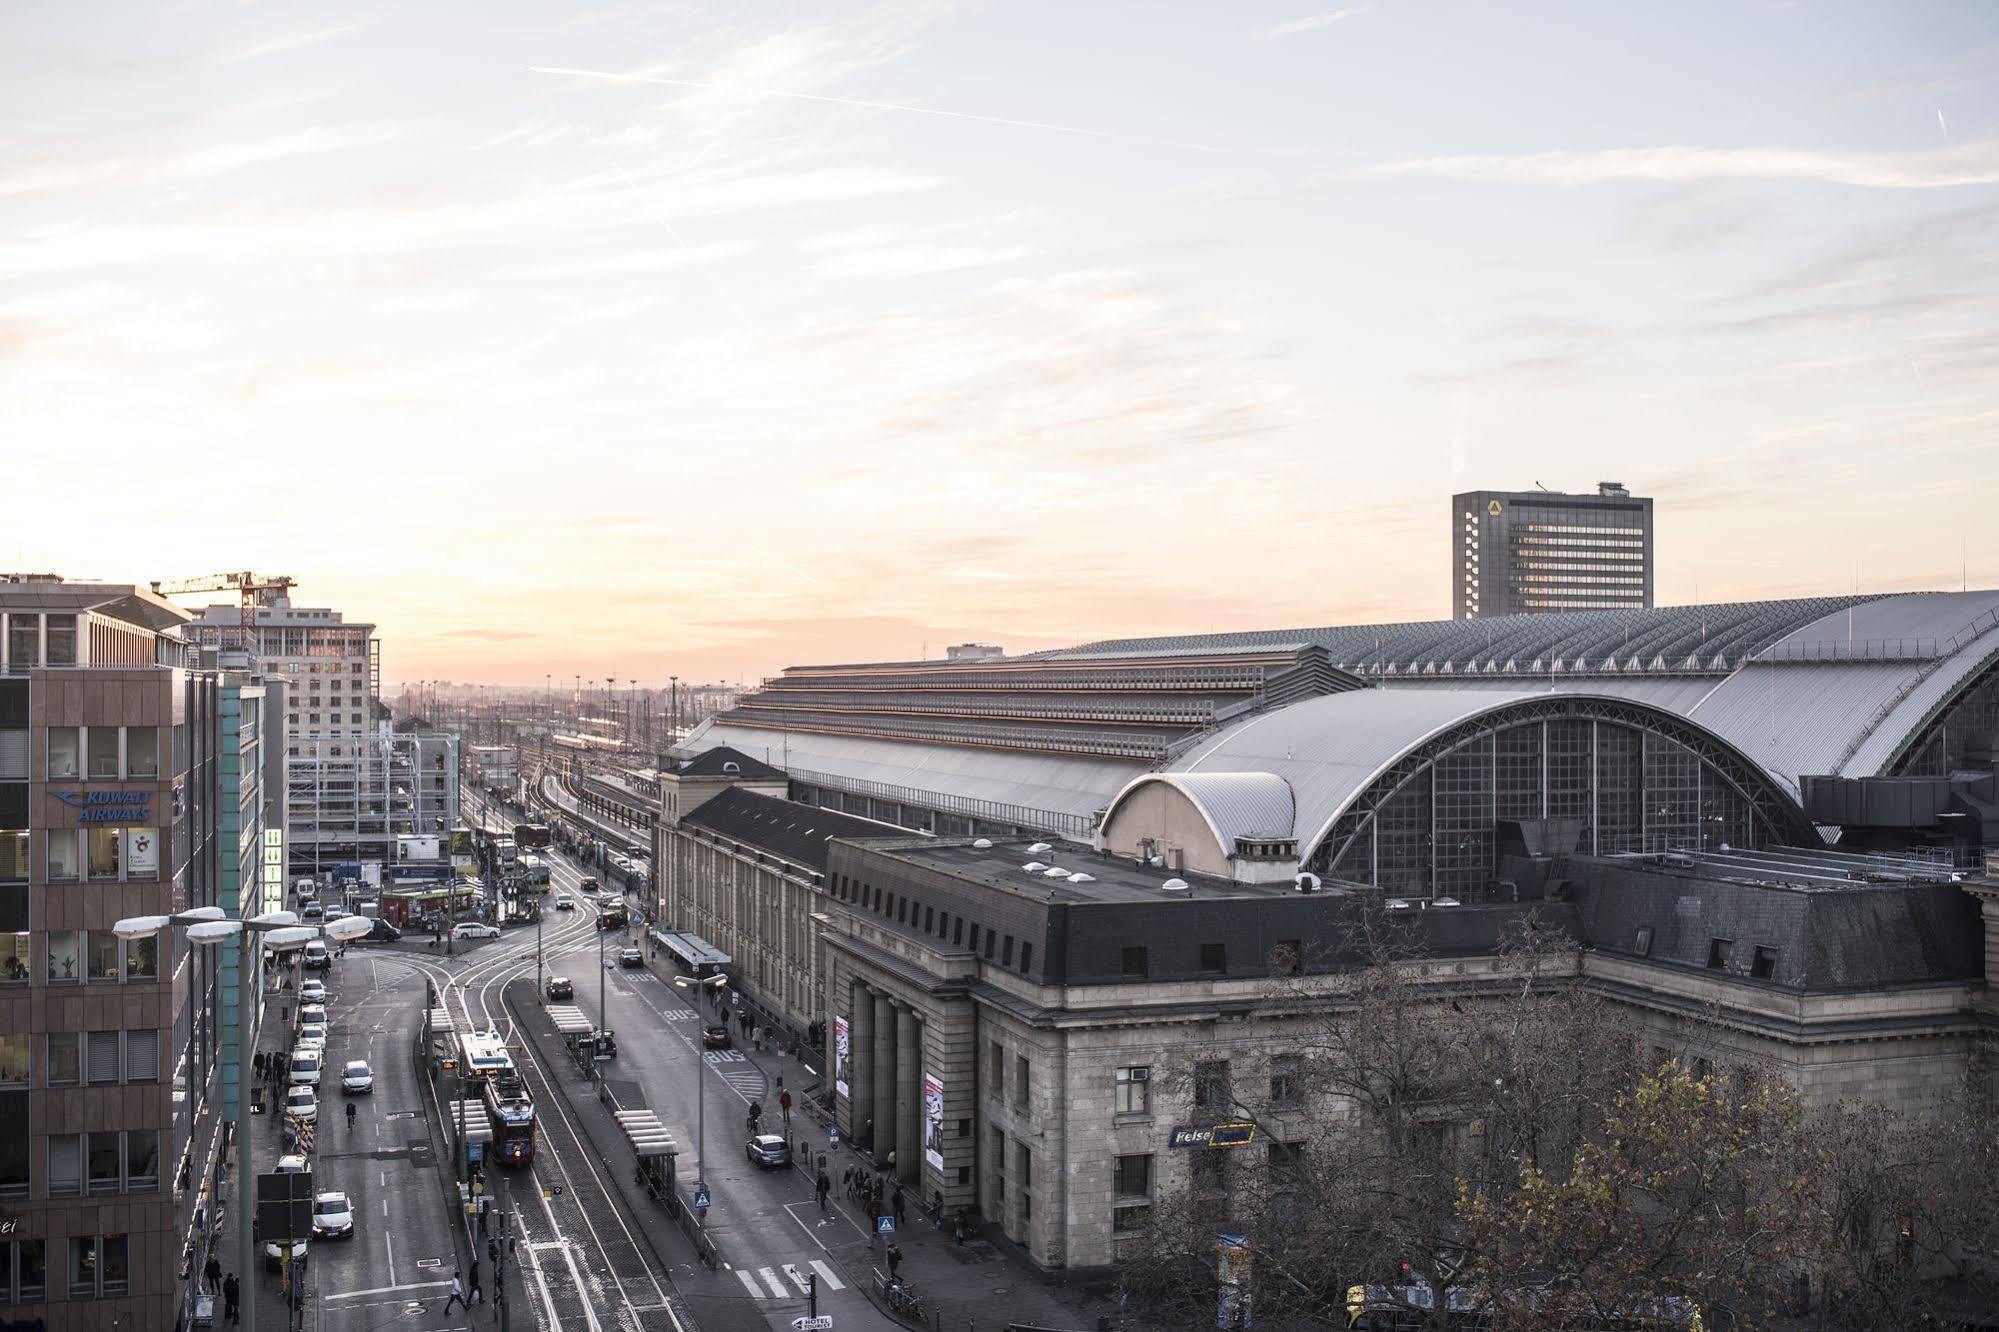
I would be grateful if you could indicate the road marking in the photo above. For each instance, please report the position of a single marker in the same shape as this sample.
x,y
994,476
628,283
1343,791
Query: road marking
x,y
826,1275
797,1277
385,1290
777,1290
390,1240
801,1224
749,1283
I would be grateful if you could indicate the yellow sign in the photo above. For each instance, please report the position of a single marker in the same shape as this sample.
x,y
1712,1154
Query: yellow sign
x,y
1492,507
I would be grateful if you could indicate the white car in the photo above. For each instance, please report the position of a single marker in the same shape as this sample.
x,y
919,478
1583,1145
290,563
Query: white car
x,y
472,929
357,1077
313,992
304,1103
305,1066
564,902
274,1251
312,1013
332,1217
311,1034
336,913
294,1164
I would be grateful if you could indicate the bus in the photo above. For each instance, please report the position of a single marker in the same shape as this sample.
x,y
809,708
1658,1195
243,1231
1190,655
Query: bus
x,y
511,1109
534,874
483,1055
533,836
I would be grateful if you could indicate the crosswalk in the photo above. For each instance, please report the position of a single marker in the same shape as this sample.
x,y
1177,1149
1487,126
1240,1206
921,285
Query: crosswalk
x,y
766,1284
748,1081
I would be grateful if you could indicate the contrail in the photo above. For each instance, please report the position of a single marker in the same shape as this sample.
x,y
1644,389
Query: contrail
x,y
869,106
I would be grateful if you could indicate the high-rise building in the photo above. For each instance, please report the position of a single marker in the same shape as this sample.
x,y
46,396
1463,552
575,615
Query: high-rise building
x,y
1531,552
130,784
355,781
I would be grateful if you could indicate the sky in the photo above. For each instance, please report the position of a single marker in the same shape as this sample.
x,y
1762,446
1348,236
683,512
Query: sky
x,y
708,338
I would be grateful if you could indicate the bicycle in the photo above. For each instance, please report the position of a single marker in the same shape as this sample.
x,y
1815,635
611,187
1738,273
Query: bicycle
x,y
901,1299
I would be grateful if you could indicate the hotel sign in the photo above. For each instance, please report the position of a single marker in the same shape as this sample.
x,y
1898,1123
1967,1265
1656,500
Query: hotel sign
x,y
274,869
109,806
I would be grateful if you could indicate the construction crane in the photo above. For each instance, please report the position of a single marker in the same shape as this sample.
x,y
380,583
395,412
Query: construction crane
x,y
256,591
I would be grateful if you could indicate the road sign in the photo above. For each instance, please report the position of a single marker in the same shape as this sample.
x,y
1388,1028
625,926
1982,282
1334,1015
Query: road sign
x,y
833,1135
885,1224
1238,1134
701,1198
554,1192
817,1323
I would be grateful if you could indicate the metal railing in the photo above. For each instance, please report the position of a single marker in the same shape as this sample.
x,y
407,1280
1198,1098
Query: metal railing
x,y
993,811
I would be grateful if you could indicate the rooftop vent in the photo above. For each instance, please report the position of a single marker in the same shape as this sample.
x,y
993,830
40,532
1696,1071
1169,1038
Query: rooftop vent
x,y
1082,878
1307,883
1175,885
1038,848
984,844
1055,872
1034,867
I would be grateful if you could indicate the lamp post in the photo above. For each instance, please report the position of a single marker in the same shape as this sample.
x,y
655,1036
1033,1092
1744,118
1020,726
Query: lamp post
x,y
278,931
603,1013
696,984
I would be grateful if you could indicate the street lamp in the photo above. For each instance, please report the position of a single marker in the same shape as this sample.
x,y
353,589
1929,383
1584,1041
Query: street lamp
x,y
700,1092
278,931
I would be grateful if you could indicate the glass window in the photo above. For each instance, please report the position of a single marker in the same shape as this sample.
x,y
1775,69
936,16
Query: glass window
x,y
1134,1176
1023,1077
142,959
100,951
1134,962
142,751
1134,1090
32,1278
115,1259
102,1150
83,1264
65,752
13,855
65,866
62,640
1128,1219
104,846
142,1055
142,1160
65,1058
1211,1084
65,1165
1214,958
1287,1079
13,1061
24,640
14,958
103,751
65,955
101,1057
14,1168
1211,1170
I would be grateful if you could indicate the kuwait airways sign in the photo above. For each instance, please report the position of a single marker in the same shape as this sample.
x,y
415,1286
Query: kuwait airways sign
x,y
109,806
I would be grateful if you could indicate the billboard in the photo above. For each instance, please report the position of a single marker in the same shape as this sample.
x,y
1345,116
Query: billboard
x,y
841,1043
1232,1263
933,1120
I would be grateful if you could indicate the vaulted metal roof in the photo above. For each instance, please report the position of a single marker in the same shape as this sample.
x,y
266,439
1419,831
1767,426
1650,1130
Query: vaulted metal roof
x,y
1235,804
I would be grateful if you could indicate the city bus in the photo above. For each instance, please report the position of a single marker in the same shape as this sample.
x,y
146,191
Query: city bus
x,y
511,1110
483,1055
533,836
534,874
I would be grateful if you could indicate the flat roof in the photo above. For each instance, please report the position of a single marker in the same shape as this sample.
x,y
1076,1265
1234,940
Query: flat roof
x,y
1799,869
1111,879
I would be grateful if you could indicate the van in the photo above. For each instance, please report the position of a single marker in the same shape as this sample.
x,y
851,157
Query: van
x,y
316,957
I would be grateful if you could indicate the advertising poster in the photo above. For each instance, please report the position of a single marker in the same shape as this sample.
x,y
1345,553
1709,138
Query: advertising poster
x,y
142,853
933,1120
1232,1263
840,1040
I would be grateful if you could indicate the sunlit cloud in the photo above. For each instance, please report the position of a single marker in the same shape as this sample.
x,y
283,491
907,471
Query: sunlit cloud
x,y
1310,23
1933,168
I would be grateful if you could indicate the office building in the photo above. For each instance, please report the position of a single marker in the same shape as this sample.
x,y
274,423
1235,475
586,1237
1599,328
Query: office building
x,y
1535,552
130,784
356,782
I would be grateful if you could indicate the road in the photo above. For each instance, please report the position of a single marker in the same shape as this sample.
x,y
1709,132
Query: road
x,y
766,1223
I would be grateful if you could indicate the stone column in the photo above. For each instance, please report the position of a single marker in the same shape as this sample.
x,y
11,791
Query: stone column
x,y
860,1077
908,1096
884,1071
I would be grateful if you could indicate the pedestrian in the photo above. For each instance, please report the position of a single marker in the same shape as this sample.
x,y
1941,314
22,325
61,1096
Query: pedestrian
x,y
232,1290
962,1219
894,1255
211,1275
874,1221
784,1104
478,1295
822,1188
847,1183
457,1294
258,1063
937,1208
897,1206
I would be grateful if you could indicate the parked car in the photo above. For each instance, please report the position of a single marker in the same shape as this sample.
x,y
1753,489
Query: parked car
x,y
312,1013
613,919
313,992
472,929
716,1036
305,1066
317,956
589,887
304,1103
275,1250
382,932
332,1217
631,957
336,913
294,1164
561,987
768,1151
357,1077
312,911
564,902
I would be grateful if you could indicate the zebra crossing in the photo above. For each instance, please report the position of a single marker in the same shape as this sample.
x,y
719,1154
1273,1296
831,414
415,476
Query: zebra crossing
x,y
748,1081
766,1284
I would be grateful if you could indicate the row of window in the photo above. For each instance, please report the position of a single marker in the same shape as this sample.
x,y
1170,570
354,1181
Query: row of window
x,y
1609,547
1609,582
79,955
103,752
941,925
80,1058
101,1163
108,854
1587,529
24,639
98,1265
1135,961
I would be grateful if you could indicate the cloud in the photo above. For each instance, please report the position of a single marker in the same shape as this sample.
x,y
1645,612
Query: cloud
x,y
486,635
213,160
1934,168
917,260
280,45
1310,23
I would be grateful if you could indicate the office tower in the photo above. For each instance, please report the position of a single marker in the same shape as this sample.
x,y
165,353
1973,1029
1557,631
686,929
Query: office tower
x,y
1535,551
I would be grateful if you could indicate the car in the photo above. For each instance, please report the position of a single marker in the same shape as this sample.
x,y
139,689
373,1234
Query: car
x,y
589,887
313,992
317,957
564,902
716,1036
332,1217
382,932
613,919
631,957
311,1035
312,1013
312,911
768,1151
561,987
357,1077
303,1103
472,929
275,1250
336,913
305,1066
294,1164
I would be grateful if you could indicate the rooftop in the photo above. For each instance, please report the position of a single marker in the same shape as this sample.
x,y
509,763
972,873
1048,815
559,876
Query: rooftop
x,y
1003,865
791,831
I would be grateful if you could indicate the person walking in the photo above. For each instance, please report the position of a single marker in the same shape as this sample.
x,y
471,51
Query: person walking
x,y
822,1188
478,1295
211,1275
457,1294
232,1290
897,1205
784,1104
963,1222
894,1255
937,1210
874,1223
